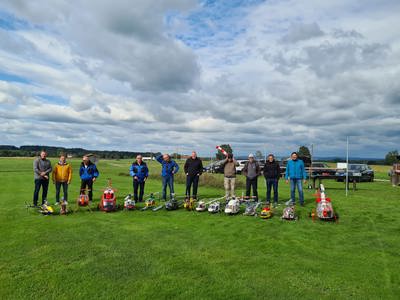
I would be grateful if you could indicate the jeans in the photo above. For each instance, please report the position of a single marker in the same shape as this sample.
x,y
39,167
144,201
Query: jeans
x,y
64,186
229,184
89,184
167,180
272,183
189,181
293,183
251,183
44,183
137,185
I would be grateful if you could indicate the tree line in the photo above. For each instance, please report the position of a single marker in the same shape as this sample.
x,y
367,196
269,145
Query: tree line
x,y
34,150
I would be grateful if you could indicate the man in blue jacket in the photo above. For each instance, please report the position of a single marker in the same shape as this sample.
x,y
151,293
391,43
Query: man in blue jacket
x,y
169,168
296,173
88,173
139,173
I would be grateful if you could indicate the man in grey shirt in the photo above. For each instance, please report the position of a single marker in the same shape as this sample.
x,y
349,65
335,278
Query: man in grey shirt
x,y
41,171
251,170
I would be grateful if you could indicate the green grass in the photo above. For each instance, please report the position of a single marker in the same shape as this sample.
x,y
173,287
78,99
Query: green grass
x,y
184,255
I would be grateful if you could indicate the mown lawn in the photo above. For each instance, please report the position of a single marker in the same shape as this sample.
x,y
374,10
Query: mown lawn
x,y
188,255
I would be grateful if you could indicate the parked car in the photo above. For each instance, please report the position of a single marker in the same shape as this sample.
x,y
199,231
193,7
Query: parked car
x,y
240,166
215,167
321,169
359,172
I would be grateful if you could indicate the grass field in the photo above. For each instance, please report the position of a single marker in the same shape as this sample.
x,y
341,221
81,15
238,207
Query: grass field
x,y
189,255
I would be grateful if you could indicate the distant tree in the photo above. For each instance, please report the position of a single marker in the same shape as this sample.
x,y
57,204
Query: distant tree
x,y
392,157
259,154
304,151
219,155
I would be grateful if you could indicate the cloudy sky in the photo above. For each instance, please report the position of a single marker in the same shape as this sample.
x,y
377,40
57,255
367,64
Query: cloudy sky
x,y
177,75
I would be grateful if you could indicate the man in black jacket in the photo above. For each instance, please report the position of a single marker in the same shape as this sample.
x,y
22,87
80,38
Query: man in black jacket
x,y
272,173
193,169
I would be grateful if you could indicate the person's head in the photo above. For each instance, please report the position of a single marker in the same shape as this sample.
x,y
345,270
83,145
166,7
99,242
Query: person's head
x,y
271,157
294,155
251,157
62,158
139,158
43,154
85,160
194,155
166,157
230,156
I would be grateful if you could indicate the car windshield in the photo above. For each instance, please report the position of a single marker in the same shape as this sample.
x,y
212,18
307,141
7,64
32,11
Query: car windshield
x,y
355,167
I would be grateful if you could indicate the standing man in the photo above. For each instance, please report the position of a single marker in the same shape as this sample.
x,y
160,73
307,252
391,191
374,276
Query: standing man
x,y
169,168
295,171
251,170
272,173
62,175
88,173
41,171
139,173
229,176
193,169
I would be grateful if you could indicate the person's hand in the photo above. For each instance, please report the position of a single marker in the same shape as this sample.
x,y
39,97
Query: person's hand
x,y
173,172
198,174
45,176
145,179
136,178
42,174
68,182
287,181
304,181
94,179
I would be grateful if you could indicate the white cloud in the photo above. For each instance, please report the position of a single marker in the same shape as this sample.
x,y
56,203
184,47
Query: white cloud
x,y
279,73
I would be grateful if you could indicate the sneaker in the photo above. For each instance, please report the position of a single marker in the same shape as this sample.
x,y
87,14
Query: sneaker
x,y
57,203
302,204
275,205
267,203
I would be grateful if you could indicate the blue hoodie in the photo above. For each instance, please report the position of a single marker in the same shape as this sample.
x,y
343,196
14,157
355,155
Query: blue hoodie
x,y
168,168
295,170
89,172
140,171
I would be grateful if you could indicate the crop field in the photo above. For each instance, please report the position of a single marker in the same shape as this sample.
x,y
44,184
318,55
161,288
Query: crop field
x,y
190,255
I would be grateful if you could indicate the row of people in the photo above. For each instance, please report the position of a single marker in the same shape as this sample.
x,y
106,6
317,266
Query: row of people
x,y
62,175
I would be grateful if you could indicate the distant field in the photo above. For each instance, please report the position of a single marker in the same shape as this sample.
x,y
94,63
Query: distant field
x,y
189,255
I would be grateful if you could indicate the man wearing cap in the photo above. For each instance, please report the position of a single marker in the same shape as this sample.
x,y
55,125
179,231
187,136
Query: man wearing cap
x,y
295,172
251,170
139,172
229,176
88,173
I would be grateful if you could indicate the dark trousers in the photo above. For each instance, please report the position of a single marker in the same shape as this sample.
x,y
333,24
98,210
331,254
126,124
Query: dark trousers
x,y
251,183
89,184
137,185
44,183
189,181
272,183
64,186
